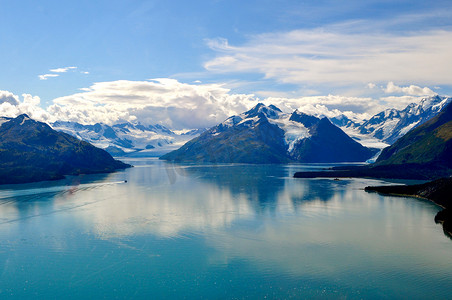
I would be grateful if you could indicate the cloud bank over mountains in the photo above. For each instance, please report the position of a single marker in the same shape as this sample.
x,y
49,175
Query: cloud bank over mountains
x,y
165,101
11,106
185,106
159,101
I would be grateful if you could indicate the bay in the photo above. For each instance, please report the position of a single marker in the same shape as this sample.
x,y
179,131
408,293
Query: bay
x,y
225,231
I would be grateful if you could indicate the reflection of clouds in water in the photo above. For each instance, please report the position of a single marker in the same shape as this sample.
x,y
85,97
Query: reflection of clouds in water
x,y
316,227
137,210
171,200
8,212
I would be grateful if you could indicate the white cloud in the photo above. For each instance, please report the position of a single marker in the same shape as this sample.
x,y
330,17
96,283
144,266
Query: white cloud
x,y
318,105
30,105
56,72
399,102
47,76
164,101
338,56
413,90
371,85
62,70
8,97
180,105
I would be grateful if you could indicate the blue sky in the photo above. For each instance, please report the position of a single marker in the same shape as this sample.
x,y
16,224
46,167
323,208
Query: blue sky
x,y
70,53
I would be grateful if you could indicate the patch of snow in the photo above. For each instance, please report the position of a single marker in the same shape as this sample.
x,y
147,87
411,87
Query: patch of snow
x,y
232,121
364,139
293,131
249,121
25,119
374,158
134,138
183,131
388,127
438,107
408,128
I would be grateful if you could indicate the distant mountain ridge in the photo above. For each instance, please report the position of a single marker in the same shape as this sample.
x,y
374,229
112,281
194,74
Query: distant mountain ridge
x,y
265,134
391,124
33,151
126,138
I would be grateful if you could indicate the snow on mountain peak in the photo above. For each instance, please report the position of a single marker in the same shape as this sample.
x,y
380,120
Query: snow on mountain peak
x,y
390,124
25,117
127,137
271,111
295,125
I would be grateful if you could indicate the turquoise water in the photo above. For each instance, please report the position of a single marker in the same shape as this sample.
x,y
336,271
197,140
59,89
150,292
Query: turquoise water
x,y
217,232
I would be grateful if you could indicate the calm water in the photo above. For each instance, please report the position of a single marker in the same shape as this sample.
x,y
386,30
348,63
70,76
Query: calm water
x,y
225,231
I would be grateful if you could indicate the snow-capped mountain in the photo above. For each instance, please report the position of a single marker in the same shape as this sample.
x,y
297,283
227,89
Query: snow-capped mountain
x,y
127,138
430,143
384,128
32,151
265,134
424,153
380,131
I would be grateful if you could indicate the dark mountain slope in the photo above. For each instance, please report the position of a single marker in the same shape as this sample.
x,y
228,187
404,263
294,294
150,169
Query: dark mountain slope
x,y
32,151
327,144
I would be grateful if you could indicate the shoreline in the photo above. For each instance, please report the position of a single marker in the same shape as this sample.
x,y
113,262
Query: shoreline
x,y
404,196
437,192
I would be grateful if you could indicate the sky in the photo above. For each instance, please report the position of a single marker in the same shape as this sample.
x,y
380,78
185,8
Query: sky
x,y
190,64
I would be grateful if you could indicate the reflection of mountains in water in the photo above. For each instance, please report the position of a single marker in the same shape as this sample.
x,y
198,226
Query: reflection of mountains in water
x,y
262,184
171,199
320,190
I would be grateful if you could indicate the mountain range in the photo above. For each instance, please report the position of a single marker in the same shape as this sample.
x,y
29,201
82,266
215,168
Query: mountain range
x,y
420,134
33,151
391,124
425,152
127,139
265,134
